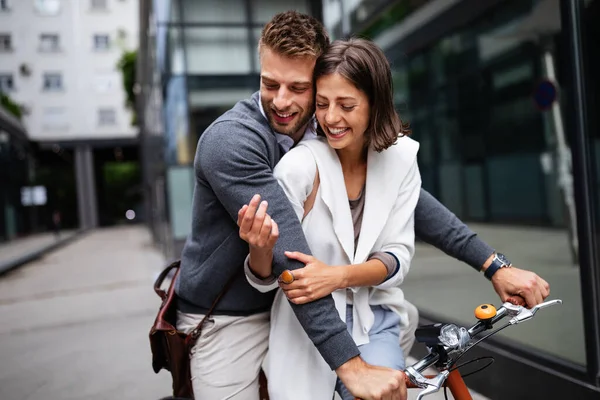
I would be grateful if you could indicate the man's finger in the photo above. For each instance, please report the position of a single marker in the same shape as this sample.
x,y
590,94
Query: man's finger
x,y
516,300
296,255
545,287
529,297
538,295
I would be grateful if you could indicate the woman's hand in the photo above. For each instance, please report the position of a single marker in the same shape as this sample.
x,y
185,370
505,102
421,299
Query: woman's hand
x,y
261,232
256,226
314,281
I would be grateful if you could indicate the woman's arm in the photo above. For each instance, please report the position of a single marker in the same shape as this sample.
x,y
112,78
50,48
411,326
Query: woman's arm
x,y
317,279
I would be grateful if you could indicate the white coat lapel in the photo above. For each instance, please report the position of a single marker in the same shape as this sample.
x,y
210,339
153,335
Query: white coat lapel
x,y
333,192
385,173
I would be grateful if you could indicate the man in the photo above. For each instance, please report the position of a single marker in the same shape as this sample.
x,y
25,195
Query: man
x,y
234,160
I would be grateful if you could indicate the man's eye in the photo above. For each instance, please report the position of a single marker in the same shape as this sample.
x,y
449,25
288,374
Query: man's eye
x,y
270,86
299,89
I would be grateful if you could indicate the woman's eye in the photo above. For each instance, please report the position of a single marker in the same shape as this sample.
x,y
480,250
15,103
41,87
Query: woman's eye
x,y
347,108
321,105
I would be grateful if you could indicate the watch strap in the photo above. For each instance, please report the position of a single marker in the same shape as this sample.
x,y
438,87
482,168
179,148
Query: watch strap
x,y
496,264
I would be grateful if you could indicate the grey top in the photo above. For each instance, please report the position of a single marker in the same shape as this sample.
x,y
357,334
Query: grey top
x,y
357,208
234,160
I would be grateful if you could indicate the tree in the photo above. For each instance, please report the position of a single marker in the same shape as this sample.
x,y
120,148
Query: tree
x,y
127,66
9,105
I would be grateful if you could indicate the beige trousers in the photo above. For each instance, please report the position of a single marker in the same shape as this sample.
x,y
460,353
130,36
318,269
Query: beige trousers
x,y
227,357
226,360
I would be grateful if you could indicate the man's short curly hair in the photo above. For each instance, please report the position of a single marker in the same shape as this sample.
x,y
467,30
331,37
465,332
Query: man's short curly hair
x,y
294,34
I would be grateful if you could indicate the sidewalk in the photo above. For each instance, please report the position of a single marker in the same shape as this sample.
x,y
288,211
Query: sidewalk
x,y
20,251
75,323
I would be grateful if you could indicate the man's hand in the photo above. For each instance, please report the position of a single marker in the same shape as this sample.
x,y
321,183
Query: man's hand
x,y
519,282
314,281
369,382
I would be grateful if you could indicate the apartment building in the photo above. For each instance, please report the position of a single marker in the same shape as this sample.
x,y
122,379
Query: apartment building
x,y
58,61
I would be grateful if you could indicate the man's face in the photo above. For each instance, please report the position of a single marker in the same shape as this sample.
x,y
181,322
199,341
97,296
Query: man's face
x,y
286,91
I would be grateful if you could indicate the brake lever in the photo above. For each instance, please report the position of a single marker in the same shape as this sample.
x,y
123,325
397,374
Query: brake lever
x,y
429,385
524,314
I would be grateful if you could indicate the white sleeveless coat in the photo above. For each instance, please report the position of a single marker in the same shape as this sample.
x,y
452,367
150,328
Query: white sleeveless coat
x,y
294,367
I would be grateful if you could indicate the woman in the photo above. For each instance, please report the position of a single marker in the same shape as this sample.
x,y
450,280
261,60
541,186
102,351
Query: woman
x,y
355,190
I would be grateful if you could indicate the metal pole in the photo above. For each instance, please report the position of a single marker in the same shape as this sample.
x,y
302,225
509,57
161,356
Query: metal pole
x,y
583,173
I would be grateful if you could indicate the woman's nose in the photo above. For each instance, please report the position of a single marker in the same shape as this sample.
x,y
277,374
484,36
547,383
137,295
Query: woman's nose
x,y
331,116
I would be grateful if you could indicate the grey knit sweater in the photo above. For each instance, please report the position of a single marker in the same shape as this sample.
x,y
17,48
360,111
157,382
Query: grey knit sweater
x,y
234,160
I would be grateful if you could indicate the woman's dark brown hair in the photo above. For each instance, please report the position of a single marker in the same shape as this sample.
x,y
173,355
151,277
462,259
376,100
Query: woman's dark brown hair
x,y
362,63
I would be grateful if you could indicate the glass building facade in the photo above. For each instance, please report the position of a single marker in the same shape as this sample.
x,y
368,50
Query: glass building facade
x,y
16,219
472,79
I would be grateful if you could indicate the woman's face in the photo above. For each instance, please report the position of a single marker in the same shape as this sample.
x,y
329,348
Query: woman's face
x,y
342,111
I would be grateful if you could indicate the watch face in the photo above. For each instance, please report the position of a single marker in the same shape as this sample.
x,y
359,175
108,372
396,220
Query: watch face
x,y
502,258
47,7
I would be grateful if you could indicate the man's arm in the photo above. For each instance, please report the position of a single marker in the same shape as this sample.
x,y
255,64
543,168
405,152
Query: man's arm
x,y
438,226
235,163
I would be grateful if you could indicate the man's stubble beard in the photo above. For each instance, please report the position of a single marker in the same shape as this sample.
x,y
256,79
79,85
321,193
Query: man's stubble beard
x,y
290,130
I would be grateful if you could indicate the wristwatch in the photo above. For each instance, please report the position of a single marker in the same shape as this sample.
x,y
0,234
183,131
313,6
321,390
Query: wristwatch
x,y
499,261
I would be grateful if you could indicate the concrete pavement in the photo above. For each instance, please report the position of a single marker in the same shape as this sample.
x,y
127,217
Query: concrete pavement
x,y
75,322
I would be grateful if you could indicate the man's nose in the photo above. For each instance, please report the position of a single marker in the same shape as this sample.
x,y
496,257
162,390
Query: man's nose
x,y
282,99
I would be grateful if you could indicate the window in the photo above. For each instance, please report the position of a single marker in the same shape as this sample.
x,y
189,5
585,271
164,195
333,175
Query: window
x,y
7,83
49,42
53,81
101,42
107,116
47,7
5,42
4,5
104,83
98,4
54,118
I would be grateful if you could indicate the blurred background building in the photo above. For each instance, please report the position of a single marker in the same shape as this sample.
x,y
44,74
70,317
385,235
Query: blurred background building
x,y
71,147
501,95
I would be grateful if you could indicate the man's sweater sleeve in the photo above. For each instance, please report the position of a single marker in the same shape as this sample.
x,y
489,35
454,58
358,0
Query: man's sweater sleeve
x,y
234,162
438,226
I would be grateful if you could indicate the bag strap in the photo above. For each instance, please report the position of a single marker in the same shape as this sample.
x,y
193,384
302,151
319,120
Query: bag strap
x,y
193,336
159,280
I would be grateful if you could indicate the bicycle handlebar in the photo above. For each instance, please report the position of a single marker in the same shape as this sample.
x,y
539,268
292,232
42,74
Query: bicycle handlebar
x,y
460,342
